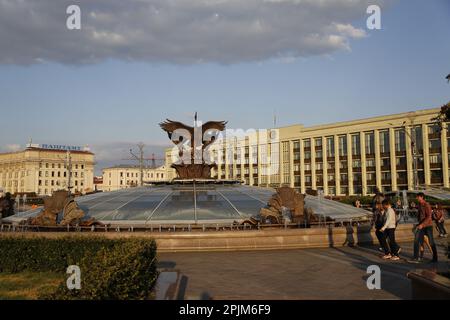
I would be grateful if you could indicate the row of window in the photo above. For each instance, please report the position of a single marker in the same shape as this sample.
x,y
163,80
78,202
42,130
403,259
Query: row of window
x,y
138,175
59,182
59,166
355,144
60,174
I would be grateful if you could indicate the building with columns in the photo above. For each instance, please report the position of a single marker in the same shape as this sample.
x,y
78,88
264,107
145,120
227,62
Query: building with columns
x,y
42,169
352,157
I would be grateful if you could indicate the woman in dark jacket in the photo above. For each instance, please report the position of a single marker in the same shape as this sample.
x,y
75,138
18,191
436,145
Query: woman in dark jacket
x,y
379,221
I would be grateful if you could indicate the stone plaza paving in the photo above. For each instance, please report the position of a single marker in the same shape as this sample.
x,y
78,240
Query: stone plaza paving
x,y
304,274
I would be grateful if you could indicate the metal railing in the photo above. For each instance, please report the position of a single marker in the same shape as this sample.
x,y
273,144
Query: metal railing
x,y
165,228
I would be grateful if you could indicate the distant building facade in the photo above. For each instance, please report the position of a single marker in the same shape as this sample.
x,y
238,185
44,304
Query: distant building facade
x,y
346,158
42,169
123,177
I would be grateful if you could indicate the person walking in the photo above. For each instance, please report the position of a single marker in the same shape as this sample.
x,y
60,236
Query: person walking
x,y
379,218
389,230
377,199
438,217
424,228
426,243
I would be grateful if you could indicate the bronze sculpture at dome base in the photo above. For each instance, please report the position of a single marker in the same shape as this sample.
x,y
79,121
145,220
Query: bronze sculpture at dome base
x,y
61,202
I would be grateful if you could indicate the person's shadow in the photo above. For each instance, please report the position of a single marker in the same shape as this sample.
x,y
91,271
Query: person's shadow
x,y
350,239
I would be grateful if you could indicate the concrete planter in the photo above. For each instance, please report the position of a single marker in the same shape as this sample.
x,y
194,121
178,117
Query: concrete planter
x,y
428,285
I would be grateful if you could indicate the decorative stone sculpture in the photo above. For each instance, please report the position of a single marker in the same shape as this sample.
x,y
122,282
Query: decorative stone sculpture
x,y
289,199
61,202
192,143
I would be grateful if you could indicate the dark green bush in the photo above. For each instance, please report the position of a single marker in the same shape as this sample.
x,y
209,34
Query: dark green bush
x,y
42,254
110,269
126,272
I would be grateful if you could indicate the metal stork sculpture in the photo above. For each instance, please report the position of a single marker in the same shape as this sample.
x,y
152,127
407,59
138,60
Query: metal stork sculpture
x,y
192,142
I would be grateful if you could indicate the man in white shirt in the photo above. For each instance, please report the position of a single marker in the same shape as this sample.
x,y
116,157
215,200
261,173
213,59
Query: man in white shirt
x,y
389,229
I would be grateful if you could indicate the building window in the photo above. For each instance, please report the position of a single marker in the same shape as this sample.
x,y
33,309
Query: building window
x,y
417,131
356,164
370,163
370,143
330,147
433,129
436,159
318,142
384,142
307,143
435,144
370,177
343,146
356,144
400,142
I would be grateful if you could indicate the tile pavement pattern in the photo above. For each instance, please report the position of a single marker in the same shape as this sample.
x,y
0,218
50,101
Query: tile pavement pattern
x,y
301,274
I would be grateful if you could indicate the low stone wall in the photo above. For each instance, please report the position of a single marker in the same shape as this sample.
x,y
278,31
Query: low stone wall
x,y
428,285
247,240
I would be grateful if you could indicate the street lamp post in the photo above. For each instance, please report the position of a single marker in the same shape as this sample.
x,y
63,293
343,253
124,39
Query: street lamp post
x,y
414,155
69,171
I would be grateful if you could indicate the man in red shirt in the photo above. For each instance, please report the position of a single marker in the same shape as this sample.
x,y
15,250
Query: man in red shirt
x,y
425,227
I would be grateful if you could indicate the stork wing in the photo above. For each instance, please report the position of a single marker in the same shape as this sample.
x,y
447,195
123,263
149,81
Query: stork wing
x,y
218,125
170,126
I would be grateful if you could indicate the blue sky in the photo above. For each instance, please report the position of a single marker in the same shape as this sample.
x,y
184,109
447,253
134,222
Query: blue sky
x,y
112,103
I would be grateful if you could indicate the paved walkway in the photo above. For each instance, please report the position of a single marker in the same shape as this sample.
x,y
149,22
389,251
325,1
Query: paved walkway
x,y
332,273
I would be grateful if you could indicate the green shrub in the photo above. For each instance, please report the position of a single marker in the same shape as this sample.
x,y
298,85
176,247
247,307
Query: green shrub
x,y
110,269
126,272
43,254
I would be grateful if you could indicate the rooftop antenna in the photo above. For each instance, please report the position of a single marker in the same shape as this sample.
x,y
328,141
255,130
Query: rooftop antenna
x,y
274,118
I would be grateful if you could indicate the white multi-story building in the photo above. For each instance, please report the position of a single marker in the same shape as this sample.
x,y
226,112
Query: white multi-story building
x,y
352,157
42,169
123,177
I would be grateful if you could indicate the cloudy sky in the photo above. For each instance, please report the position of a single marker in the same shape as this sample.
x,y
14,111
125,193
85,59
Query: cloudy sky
x,y
136,62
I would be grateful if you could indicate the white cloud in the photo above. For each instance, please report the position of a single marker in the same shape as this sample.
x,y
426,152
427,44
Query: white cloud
x,y
177,31
12,148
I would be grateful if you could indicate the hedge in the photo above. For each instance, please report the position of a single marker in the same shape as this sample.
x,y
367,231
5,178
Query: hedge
x,y
110,269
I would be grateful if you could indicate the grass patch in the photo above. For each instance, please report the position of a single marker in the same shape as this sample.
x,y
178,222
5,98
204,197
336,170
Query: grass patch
x,y
28,285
